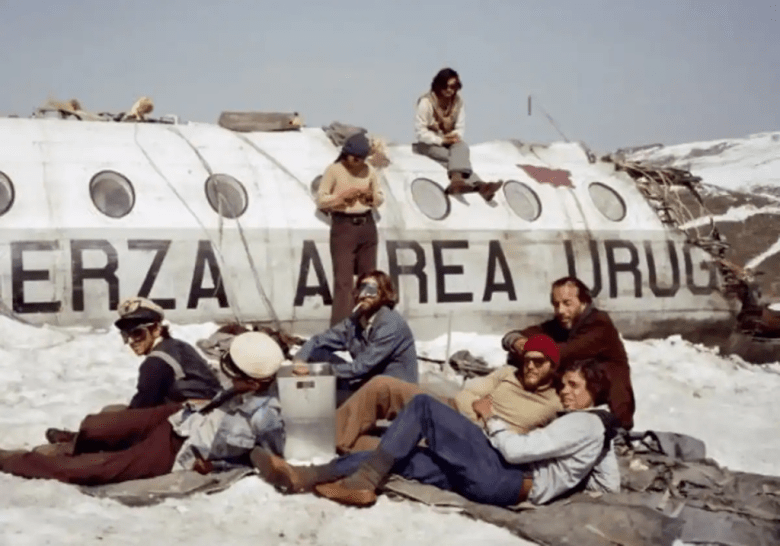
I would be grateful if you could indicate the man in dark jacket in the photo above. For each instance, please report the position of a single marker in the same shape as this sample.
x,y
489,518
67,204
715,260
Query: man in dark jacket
x,y
172,370
583,332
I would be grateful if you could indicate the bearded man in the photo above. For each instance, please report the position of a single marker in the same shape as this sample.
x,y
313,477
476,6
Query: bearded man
x,y
375,335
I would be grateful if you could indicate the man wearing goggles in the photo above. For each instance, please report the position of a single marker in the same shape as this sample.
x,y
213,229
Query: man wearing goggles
x,y
172,370
148,442
375,335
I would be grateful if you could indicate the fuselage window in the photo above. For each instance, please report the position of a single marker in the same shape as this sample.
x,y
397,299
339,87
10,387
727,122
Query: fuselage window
x,y
607,200
6,193
430,198
522,200
112,193
226,195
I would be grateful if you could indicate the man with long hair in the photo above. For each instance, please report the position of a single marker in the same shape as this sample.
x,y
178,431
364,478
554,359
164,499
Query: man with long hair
x,y
439,125
376,336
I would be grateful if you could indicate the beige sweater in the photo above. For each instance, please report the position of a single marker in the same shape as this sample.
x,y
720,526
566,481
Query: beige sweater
x,y
522,410
337,179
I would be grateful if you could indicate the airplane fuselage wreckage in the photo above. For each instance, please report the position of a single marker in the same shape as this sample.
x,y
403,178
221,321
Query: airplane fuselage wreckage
x,y
220,225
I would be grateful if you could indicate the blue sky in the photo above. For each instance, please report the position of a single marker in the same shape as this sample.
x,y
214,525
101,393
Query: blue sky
x,y
611,73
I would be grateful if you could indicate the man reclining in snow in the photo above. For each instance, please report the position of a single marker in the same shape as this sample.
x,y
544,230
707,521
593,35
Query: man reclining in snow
x,y
582,331
522,394
144,443
501,467
172,370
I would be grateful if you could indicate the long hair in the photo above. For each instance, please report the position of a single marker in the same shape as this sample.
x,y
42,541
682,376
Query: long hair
x,y
387,293
442,77
583,292
596,380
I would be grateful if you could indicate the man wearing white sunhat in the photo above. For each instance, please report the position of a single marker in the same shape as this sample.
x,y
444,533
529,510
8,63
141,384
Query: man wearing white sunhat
x,y
144,443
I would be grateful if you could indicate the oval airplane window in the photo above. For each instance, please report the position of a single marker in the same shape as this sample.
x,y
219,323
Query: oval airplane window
x,y
430,198
522,200
112,193
226,195
6,193
607,200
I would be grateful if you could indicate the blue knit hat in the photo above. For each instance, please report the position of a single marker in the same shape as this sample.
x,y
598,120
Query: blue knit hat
x,y
357,145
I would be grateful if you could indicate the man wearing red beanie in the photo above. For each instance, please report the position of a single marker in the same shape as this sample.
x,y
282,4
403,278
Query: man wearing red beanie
x,y
582,332
522,395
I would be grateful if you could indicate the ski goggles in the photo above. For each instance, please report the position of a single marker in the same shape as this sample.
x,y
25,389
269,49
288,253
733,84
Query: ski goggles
x,y
137,333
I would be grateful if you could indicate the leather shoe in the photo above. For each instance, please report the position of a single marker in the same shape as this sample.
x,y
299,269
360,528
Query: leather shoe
x,y
348,491
58,435
488,189
282,475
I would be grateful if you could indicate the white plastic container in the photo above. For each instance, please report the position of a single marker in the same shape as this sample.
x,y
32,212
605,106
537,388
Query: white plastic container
x,y
309,412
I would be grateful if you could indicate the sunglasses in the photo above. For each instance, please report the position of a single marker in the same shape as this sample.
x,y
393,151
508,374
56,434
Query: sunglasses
x,y
454,86
136,334
537,361
368,289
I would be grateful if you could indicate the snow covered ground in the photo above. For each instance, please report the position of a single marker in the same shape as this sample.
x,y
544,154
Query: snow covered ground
x,y
53,377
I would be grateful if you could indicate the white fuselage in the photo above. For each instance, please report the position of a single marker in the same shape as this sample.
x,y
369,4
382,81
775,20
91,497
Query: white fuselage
x,y
481,268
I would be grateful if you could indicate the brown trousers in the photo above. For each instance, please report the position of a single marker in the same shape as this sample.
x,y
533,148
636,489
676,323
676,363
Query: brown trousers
x,y
383,397
353,248
110,447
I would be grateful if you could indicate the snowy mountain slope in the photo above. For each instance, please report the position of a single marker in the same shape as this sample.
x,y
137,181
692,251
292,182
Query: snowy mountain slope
x,y
741,178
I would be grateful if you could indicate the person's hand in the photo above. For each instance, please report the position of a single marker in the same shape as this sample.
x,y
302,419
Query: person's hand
x,y
300,368
518,345
451,138
483,407
201,464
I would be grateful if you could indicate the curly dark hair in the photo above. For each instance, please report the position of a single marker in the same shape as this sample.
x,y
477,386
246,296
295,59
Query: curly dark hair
x,y
583,292
442,77
596,380
387,293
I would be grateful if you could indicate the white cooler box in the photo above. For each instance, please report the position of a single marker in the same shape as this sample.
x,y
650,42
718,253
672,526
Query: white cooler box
x,y
309,412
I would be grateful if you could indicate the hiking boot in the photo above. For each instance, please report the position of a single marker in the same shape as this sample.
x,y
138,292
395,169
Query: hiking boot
x,y
55,450
488,189
6,454
59,436
351,491
359,489
457,184
284,476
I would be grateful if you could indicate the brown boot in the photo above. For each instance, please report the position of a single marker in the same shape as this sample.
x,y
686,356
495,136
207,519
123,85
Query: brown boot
x,y
349,491
488,189
359,489
286,477
58,435
6,454
457,184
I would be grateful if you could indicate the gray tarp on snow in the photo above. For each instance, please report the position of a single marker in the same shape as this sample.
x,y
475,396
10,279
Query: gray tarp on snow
x,y
669,491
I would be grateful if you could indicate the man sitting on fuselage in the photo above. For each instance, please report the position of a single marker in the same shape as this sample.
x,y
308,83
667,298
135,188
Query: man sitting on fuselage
x,y
583,332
